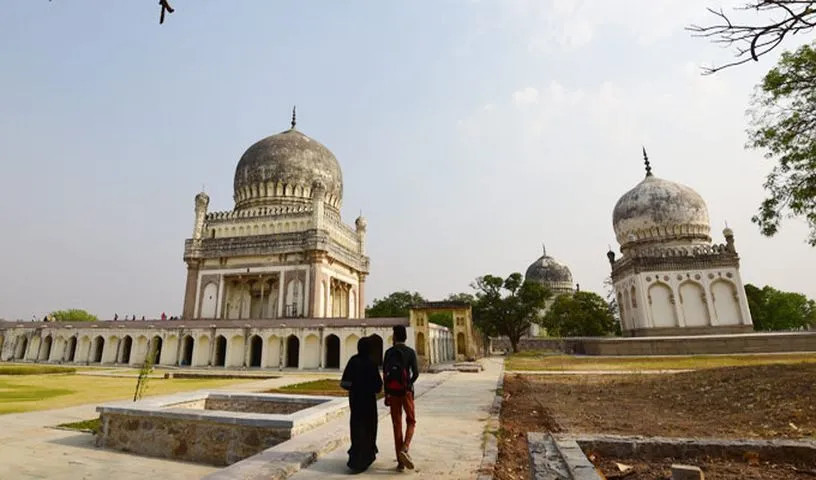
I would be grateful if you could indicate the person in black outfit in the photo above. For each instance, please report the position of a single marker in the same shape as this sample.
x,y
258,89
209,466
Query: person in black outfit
x,y
361,378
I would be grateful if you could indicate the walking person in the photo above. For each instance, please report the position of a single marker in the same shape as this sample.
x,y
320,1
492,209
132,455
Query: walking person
x,y
400,372
361,378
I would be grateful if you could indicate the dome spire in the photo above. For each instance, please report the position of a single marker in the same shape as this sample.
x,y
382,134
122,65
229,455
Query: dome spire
x,y
646,162
544,249
294,116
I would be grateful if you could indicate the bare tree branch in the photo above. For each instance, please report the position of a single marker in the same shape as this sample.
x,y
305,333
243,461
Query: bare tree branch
x,y
753,40
165,7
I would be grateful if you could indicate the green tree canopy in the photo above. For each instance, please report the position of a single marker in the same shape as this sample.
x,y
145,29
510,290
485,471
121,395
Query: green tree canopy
x,y
784,126
73,315
507,307
772,309
398,304
582,314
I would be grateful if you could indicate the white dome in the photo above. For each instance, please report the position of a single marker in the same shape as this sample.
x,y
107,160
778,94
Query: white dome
x,y
660,211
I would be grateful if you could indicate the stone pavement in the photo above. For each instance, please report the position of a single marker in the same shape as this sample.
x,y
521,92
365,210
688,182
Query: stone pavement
x,y
448,443
31,450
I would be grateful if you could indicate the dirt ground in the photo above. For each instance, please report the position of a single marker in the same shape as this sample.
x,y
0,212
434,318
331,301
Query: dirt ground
x,y
768,401
718,469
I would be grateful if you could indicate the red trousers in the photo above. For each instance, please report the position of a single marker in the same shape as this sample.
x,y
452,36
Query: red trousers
x,y
398,404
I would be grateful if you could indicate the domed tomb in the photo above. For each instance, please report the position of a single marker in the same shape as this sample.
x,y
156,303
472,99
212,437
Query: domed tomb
x,y
550,273
661,211
284,169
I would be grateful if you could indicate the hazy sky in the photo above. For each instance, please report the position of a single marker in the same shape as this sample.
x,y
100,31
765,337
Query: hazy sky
x,y
469,132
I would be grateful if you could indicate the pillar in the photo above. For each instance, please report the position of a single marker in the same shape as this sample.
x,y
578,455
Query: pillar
x,y
188,310
281,292
361,295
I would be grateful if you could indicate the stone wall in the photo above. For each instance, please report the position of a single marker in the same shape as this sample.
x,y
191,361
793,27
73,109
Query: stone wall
x,y
200,441
676,345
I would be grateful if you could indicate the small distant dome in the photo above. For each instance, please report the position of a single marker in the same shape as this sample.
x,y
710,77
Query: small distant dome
x,y
727,232
202,199
660,211
361,223
282,170
550,273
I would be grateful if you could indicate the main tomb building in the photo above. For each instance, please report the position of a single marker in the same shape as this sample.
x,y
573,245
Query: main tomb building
x,y
283,251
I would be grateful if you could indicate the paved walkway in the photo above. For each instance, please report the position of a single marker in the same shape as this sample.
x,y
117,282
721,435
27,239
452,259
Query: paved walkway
x,y
596,372
31,450
448,442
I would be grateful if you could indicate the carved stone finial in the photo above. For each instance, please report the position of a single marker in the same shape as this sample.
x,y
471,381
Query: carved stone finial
x,y
544,249
646,162
294,116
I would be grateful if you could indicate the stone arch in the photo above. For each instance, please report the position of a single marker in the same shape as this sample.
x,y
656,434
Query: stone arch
x,y
726,303
292,351
273,345
96,349
693,301
235,351
311,352
45,348
376,348
255,351
350,347
155,350
220,359
461,344
187,347
126,350
420,343
332,350
634,297
661,305
20,347
209,297
71,348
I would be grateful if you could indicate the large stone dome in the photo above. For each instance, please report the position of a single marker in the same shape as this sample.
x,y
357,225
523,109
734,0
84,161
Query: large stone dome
x,y
660,211
283,169
550,273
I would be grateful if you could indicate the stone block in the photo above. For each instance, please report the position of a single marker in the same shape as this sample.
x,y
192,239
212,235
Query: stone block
x,y
686,472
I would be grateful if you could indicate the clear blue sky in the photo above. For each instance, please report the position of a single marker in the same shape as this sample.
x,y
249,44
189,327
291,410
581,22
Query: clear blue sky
x,y
469,132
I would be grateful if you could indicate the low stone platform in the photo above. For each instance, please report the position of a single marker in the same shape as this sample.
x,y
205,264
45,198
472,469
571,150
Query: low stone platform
x,y
215,428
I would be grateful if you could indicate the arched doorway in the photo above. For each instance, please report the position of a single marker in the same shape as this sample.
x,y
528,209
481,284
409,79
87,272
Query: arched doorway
x,y
292,351
19,350
45,349
96,350
187,351
127,346
420,343
255,351
220,351
376,349
156,350
461,345
332,351
71,352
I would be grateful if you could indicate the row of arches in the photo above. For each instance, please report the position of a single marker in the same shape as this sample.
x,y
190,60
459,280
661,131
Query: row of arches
x,y
688,304
259,229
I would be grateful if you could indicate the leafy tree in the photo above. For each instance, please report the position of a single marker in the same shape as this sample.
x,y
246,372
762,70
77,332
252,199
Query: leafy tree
x,y
582,314
777,20
73,315
398,304
461,297
510,314
772,309
442,318
784,126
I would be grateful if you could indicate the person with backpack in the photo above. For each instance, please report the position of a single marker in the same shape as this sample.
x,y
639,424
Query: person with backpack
x,y
400,372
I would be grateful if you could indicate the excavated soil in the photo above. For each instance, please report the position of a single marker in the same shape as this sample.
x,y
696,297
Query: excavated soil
x,y
768,401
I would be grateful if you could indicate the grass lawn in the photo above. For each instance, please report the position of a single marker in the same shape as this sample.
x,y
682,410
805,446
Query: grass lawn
x,y
93,425
541,360
325,386
23,393
33,369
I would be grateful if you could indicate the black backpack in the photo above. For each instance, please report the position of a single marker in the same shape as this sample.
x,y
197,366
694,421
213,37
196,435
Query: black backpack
x,y
395,374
